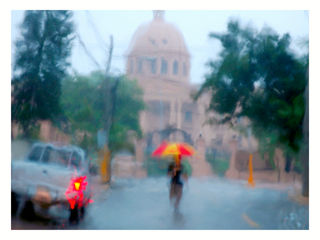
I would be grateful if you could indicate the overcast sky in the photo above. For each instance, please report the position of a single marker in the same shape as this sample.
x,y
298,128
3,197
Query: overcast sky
x,y
95,27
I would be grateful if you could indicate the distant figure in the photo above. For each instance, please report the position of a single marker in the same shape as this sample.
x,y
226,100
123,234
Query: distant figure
x,y
175,171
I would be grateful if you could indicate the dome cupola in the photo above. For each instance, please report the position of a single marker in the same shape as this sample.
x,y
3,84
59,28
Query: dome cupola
x,y
158,49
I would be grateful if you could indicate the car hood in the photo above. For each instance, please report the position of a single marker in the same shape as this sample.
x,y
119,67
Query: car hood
x,y
27,176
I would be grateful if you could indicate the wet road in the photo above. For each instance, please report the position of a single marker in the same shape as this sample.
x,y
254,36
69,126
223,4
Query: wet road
x,y
206,204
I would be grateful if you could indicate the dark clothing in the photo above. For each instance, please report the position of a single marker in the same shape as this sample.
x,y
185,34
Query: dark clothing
x,y
176,185
175,174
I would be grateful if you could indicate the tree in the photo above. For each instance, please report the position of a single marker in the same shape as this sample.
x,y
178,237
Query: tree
x,y
128,104
83,102
41,61
80,102
305,148
257,76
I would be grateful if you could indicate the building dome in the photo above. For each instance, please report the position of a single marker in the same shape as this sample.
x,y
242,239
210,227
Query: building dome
x,y
158,50
157,36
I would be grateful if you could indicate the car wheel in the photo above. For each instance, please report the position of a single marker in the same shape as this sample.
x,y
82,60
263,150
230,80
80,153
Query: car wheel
x,y
74,215
14,203
28,212
82,212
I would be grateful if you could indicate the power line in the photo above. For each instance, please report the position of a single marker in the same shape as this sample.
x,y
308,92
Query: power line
x,y
87,51
109,55
94,28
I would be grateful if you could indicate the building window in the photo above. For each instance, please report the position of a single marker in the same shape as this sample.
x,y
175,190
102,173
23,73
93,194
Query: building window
x,y
175,67
184,69
164,66
153,66
153,42
188,116
140,66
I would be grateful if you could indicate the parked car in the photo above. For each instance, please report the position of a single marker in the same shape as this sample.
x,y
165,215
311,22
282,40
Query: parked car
x,y
49,177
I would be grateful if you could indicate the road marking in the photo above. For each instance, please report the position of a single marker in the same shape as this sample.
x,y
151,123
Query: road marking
x,y
250,221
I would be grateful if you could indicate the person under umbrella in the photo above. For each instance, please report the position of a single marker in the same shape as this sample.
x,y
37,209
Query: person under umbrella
x,y
176,170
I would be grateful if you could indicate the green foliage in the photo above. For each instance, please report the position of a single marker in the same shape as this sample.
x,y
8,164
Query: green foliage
x,y
156,167
88,143
85,105
257,76
40,62
267,144
81,103
219,163
298,167
33,134
128,104
187,167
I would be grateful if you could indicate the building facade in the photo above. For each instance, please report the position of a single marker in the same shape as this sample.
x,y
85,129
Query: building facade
x,y
159,59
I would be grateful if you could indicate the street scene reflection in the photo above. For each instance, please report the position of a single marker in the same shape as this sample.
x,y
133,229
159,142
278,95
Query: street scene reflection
x,y
162,125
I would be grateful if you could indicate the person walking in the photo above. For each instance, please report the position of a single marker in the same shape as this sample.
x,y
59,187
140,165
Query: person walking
x,y
177,175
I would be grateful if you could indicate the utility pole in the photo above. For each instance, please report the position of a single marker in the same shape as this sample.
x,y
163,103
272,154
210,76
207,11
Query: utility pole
x,y
109,97
109,56
110,101
104,155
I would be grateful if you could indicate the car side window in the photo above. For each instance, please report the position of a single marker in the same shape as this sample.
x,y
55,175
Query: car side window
x,y
47,155
35,154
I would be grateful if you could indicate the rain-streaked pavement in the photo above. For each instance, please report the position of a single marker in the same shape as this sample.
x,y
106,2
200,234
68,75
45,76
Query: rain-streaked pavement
x,y
210,203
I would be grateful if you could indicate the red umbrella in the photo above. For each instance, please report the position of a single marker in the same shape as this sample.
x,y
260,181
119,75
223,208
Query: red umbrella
x,y
160,149
175,149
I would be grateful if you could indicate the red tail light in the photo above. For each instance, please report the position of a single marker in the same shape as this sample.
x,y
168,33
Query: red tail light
x,y
74,193
77,185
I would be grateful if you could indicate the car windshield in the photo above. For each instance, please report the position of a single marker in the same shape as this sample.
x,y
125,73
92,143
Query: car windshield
x,y
54,156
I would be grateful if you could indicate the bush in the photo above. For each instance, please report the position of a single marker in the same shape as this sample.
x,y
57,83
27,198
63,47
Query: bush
x,y
219,165
298,167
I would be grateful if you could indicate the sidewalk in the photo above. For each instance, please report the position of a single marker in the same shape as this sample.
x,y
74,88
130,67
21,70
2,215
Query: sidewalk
x,y
97,186
294,190
278,186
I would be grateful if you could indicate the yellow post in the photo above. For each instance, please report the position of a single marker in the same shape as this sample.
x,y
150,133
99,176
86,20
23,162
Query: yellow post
x,y
250,179
104,156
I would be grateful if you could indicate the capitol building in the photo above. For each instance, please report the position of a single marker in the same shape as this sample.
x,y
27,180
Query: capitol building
x,y
159,59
